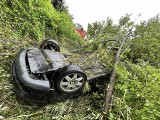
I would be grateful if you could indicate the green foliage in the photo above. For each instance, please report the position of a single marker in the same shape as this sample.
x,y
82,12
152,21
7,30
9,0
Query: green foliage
x,y
24,23
136,92
146,42
36,19
146,49
106,35
103,30
125,21
15,109
28,22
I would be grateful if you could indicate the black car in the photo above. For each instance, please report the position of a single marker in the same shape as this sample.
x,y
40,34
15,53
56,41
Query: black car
x,y
44,74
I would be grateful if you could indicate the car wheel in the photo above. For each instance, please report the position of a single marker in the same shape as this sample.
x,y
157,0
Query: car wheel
x,y
50,45
71,80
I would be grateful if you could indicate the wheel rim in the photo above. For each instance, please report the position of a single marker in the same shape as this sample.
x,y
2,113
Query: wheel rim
x,y
71,82
50,46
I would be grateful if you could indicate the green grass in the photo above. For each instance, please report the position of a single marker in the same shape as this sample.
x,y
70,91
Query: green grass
x,y
14,108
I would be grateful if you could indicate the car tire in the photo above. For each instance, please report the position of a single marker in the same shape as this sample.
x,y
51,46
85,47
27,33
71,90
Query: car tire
x,y
50,45
71,80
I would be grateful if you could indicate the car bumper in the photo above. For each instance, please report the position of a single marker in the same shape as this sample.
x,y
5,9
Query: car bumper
x,y
20,73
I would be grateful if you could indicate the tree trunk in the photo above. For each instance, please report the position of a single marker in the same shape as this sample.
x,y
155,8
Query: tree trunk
x,y
110,88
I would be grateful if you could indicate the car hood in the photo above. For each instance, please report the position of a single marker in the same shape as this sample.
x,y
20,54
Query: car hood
x,y
41,60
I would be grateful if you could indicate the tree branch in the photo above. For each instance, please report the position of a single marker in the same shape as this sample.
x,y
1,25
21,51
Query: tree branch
x,y
110,88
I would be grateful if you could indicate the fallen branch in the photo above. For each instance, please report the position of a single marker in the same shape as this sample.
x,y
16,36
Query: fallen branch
x,y
110,88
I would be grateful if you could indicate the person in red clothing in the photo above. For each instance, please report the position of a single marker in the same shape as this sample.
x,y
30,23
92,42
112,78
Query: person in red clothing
x,y
79,30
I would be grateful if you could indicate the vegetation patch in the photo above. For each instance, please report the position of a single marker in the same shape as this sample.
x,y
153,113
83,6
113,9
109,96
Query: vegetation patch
x,y
136,93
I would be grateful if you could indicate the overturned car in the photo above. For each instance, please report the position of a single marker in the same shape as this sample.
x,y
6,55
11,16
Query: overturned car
x,y
44,74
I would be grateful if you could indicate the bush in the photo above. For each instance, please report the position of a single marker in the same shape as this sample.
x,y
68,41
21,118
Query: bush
x,y
136,92
36,19
146,42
